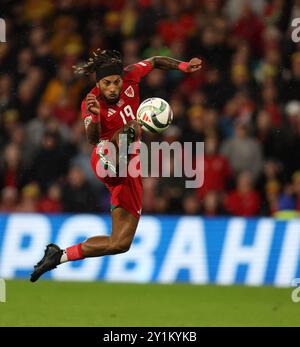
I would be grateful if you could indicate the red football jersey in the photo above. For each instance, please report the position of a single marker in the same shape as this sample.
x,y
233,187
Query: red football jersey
x,y
113,117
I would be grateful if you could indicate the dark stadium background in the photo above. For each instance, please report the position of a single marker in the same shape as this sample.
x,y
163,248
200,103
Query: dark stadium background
x,y
244,103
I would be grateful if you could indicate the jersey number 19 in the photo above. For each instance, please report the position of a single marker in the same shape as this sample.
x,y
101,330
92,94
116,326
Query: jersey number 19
x,y
128,113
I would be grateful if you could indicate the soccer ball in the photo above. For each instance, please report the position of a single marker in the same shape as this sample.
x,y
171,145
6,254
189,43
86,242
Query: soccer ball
x,y
155,115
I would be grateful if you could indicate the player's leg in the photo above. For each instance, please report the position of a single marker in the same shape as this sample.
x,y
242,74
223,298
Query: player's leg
x,y
124,225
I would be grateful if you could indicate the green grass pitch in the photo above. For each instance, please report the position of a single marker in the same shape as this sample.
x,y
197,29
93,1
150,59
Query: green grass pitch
x,y
49,303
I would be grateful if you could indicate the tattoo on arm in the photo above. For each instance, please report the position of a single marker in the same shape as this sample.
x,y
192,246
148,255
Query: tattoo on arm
x,y
164,63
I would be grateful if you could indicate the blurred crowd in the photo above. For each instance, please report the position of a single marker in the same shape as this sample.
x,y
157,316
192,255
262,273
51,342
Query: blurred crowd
x,y
244,104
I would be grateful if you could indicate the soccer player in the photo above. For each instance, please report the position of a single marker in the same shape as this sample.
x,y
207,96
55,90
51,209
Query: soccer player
x,y
107,111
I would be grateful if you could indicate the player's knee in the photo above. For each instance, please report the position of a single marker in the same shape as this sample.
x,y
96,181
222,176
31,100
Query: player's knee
x,y
117,247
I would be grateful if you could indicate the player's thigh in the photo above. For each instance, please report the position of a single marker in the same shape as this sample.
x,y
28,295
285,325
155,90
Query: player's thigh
x,y
124,225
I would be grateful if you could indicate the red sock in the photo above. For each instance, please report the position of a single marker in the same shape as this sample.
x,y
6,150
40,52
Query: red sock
x,y
74,252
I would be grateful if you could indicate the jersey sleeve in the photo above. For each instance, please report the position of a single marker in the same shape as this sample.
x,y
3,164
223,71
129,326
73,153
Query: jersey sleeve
x,y
136,71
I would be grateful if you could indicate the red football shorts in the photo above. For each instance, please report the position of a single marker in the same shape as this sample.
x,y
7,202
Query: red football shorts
x,y
125,192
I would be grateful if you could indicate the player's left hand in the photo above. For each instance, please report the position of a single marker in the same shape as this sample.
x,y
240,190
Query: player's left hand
x,y
194,65
124,130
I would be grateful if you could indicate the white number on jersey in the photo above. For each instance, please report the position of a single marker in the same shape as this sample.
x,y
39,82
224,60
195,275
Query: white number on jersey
x,y
128,113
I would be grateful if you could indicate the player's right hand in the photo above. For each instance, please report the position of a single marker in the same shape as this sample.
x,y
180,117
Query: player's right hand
x,y
92,104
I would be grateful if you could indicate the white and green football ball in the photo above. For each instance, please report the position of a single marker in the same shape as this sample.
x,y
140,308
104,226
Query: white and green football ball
x,y
155,115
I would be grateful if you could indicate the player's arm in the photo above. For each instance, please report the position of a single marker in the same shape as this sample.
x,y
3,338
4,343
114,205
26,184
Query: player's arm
x,y
167,63
91,114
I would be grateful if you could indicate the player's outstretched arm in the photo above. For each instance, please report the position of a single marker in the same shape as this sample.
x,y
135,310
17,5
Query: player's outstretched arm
x,y
92,120
167,63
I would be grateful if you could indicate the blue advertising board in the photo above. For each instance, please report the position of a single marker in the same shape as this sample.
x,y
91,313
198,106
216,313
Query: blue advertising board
x,y
166,249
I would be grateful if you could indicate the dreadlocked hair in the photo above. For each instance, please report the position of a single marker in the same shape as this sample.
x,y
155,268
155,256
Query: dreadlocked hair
x,y
100,58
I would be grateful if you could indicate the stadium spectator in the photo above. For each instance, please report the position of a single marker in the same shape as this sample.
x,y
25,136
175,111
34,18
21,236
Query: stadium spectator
x,y
270,203
48,163
291,89
191,204
242,151
150,195
272,171
296,188
63,86
29,198
177,25
244,201
294,137
11,167
248,19
9,199
287,201
170,190
271,105
77,194
217,171
51,202
36,128
10,122
273,140
211,205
